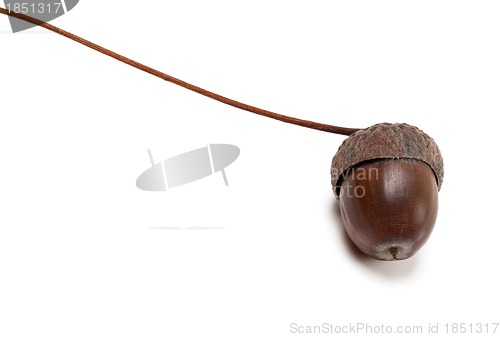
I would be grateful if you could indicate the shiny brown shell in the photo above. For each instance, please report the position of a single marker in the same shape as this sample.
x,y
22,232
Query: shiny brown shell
x,y
389,207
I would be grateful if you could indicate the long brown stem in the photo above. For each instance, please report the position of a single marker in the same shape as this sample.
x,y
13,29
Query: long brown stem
x,y
217,97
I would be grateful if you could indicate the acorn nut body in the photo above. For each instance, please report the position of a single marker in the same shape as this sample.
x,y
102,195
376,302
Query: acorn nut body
x,y
387,179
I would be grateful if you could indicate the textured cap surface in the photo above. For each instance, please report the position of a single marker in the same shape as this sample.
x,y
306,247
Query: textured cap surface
x,y
389,141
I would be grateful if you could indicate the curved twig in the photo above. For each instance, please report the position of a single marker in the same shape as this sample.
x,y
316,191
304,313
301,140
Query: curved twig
x,y
154,72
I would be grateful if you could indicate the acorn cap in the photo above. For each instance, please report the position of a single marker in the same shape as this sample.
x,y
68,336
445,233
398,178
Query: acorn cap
x,y
386,141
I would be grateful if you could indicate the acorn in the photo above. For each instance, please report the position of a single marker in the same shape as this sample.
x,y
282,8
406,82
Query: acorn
x,y
386,178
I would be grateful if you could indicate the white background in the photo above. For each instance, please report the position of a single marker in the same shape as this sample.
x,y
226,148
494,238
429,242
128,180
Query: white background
x,y
83,252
